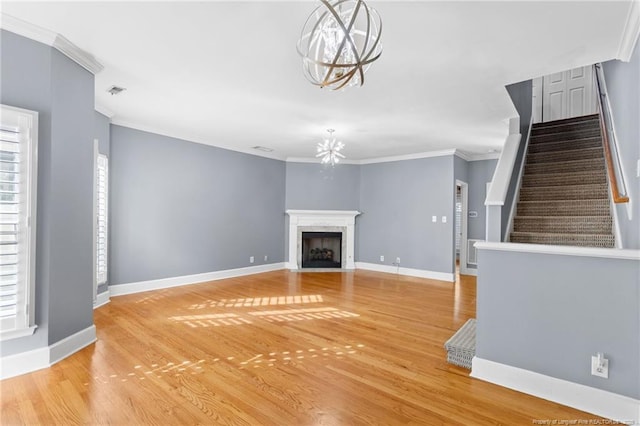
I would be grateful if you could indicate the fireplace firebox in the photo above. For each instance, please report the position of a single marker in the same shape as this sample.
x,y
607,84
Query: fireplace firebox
x,y
321,249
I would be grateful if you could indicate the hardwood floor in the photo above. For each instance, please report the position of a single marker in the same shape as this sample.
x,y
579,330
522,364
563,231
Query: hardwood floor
x,y
278,348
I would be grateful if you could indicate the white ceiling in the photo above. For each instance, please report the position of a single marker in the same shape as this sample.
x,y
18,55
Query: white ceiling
x,y
228,74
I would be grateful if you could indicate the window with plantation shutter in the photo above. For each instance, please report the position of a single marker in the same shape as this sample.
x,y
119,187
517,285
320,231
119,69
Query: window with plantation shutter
x,y
102,183
18,167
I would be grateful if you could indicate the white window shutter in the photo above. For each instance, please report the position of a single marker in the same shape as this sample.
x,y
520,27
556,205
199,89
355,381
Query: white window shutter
x,y
102,182
18,138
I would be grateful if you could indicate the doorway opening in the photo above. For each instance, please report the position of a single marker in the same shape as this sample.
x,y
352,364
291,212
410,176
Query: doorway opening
x,y
461,214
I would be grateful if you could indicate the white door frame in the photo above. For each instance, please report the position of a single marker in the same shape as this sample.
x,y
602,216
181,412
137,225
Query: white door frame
x,y
464,218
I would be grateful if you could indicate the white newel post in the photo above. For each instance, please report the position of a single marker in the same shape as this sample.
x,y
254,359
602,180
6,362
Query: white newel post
x,y
318,219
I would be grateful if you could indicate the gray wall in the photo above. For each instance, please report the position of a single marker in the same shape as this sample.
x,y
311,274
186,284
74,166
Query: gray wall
x,y
551,320
181,208
39,78
312,186
480,173
521,96
397,200
102,132
623,84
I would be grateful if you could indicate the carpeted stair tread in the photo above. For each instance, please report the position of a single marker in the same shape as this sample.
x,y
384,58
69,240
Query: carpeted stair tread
x,y
561,179
591,164
565,145
597,207
583,240
585,120
564,195
580,119
565,155
572,192
566,136
564,224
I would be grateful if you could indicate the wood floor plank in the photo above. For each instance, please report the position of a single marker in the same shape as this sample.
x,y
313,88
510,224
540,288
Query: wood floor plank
x,y
278,348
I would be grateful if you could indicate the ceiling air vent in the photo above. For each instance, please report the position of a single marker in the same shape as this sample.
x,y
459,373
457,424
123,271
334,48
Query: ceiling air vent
x,y
262,148
116,90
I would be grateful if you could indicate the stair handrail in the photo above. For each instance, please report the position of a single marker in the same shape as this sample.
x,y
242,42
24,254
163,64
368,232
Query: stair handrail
x,y
614,169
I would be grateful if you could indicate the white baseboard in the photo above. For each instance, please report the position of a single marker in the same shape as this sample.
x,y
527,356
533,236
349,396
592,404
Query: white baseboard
x,y
72,344
138,287
469,271
585,398
442,276
37,359
102,299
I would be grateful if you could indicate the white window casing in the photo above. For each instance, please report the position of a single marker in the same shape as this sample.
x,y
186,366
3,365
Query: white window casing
x,y
102,197
18,191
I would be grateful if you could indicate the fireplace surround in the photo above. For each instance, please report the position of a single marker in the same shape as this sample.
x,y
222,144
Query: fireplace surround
x,y
342,221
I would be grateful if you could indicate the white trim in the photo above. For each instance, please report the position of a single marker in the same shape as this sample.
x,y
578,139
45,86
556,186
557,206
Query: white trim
x,y
50,38
72,344
608,253
470,271
595,401
24,362
322,218
138,287
317,161
418,155
83,58
21,332
504,169
102,299
516,196
631,32
429,154
421,273
94,216
37,359
464,226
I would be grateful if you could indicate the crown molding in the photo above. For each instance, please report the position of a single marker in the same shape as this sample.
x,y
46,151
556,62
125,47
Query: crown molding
x,y
82,57
317,161
630,33
50,38
428,154
104,111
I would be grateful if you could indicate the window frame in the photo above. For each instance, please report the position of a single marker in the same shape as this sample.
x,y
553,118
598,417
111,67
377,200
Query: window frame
x,y
99,278
27,122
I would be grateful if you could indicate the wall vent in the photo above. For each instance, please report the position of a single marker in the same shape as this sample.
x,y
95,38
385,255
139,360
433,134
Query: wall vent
x,y
472,252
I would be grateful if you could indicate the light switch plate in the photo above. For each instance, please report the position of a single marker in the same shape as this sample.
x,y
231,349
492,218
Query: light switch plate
x,y
434,219
444,219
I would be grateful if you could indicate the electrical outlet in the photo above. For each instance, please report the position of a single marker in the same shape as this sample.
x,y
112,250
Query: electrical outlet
x,y
600,366
434,219
397,260
381,258
251,259
444,219
266,258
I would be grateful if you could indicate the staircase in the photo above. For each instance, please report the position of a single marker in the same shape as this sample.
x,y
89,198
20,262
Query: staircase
x,y
564,197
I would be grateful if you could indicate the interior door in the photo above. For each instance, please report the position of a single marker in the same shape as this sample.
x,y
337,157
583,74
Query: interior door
x,y
565,94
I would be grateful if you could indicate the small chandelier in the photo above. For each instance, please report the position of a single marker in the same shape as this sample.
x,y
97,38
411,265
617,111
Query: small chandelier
x,y
329,150
339,42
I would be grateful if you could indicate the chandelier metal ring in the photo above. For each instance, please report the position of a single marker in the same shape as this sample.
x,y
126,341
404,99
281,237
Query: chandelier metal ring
x,y
339,42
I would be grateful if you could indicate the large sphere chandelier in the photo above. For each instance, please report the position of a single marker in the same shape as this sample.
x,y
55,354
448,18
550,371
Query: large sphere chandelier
x,y
339,42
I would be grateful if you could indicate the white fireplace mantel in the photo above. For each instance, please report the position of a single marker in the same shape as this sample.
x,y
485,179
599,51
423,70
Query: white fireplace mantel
x,y
345,219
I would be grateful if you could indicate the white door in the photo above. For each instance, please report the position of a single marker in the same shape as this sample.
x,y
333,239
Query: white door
x,y
537,99
565,94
